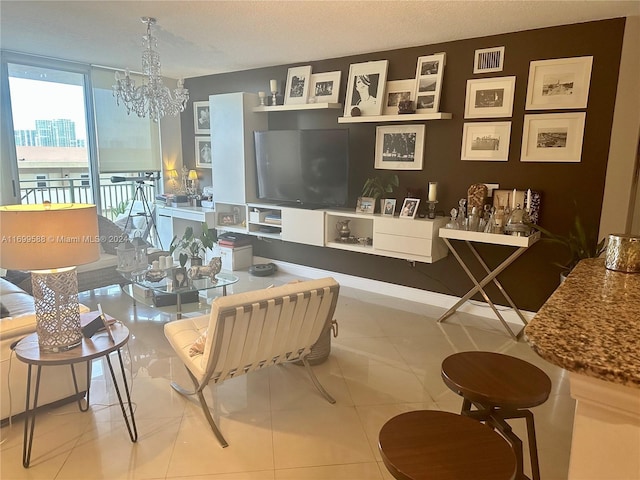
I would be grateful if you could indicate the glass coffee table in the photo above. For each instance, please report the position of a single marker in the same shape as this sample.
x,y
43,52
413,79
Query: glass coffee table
x,y
162,293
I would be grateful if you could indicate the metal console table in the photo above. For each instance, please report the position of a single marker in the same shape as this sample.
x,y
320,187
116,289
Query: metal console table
x,y
469,238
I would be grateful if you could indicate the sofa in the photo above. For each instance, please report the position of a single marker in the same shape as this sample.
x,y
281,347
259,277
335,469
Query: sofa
x,y
19,320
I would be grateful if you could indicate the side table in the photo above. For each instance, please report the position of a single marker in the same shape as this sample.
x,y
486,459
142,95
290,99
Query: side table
x,y
100,345
468,237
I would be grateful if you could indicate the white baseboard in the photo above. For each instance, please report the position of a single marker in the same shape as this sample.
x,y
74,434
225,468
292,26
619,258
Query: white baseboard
x,y
480,309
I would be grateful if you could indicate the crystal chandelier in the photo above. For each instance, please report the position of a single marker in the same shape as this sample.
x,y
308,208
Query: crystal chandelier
x,y
152,96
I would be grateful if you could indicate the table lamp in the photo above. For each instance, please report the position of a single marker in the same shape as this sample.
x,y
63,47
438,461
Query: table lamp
x,y
50,240
193,179
172,175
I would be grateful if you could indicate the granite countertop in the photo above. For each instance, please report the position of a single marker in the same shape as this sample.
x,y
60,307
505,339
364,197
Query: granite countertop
x,y
591,324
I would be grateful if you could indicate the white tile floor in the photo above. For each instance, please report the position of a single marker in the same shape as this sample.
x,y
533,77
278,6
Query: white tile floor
x,y
385,360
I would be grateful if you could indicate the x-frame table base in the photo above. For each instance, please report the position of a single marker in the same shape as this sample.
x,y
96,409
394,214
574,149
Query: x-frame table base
x,y
491,276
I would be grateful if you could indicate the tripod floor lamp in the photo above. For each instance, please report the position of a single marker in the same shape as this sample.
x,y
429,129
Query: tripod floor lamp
x,y
50,240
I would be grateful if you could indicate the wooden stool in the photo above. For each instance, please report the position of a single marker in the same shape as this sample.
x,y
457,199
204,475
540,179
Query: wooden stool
x,y
434,445
500,387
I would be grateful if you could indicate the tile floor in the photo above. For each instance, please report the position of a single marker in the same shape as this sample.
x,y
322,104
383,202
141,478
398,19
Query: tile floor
x,y
385,361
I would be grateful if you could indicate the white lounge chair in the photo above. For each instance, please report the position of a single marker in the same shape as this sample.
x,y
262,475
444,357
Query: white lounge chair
x,y
253,330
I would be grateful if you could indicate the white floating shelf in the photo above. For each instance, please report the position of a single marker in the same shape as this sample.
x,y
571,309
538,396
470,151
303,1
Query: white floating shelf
x,y
410,117
302,106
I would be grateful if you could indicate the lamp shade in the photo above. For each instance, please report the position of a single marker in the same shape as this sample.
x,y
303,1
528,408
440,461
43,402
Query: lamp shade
x,y
172,174
193,175
48,236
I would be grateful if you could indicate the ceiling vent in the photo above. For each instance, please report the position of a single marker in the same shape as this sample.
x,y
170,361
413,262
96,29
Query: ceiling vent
x,y
489,60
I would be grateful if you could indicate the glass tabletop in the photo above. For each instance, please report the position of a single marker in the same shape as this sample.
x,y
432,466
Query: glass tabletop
x,y
167,282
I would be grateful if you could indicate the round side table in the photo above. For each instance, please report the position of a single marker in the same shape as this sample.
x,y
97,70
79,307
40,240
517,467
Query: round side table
x,y
100,345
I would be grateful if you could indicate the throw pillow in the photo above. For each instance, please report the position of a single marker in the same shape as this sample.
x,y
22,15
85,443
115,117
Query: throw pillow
x,y
4,311
110,235
197,348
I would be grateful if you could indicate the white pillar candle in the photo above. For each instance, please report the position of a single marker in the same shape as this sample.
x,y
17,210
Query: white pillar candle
x,y
273,84
433,191
513,200
529,199
162,263
168,261
155,265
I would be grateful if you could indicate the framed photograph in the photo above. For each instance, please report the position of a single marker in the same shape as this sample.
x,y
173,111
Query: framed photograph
x,y
366,205
180,278
297,89
203,152
389,207
227,218
489,97
559,83
409,208
399,147
488,60
486,141
365,87
201,118
396,91
429,73
553,137
325,87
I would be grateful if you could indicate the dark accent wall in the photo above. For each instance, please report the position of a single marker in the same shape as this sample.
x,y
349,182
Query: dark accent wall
x,y
567,188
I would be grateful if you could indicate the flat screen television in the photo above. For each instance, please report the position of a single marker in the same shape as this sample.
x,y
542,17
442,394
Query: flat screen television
x,y
309,168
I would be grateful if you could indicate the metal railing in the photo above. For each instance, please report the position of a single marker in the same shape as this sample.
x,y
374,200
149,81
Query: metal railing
x,y
113,197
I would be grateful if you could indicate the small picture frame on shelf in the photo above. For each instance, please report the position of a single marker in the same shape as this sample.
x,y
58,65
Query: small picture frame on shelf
x,y
389,207
429,73
201,118
297,89
409,207
489,97
366,205
397,91
325,87
227,218
365,88
203,152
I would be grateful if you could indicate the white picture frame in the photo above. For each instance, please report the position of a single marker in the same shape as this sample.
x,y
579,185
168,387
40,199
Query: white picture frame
x,y
559,83
488,141
553,137
366,205
201,118
297,87
397,90
399,147
325,87
375,73
203,152
489,97
388,207
488,60
429,74
409,208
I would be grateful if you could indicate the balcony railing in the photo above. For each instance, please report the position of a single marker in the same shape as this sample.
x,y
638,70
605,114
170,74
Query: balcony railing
x,y
113,197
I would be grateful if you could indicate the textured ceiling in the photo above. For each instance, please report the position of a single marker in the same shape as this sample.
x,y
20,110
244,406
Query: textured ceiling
x,y
198,38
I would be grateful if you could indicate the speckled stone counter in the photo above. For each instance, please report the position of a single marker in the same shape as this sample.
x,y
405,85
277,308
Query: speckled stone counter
x,y
591,324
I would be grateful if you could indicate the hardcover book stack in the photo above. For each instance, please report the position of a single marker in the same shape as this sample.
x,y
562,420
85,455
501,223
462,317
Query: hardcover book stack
x,y
234,240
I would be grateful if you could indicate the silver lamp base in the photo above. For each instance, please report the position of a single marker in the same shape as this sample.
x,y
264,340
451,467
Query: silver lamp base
x,y
55,294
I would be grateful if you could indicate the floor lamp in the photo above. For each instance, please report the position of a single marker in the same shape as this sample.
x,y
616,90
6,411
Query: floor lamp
x,y
50,240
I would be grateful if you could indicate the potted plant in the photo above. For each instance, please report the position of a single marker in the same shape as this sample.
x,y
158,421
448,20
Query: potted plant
x,y
378,187
579,243
191,246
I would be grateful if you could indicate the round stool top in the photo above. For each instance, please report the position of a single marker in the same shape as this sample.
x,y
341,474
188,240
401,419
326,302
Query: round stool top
x,y
435,445
494,379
